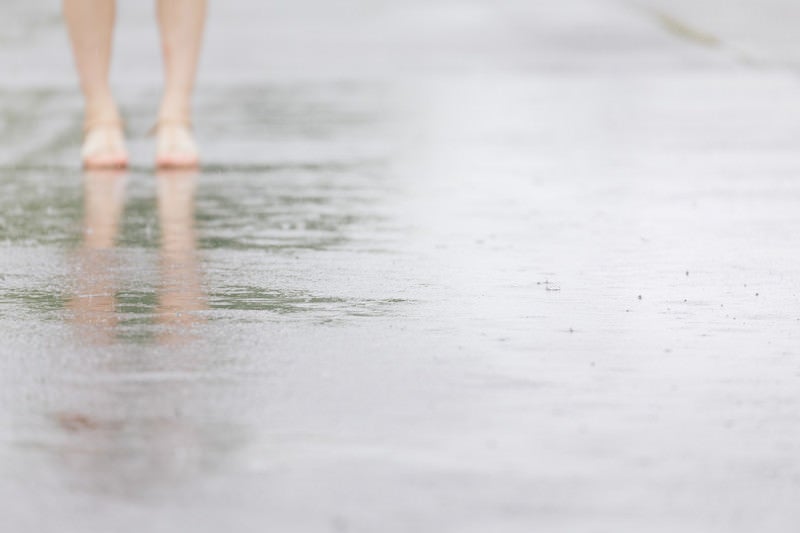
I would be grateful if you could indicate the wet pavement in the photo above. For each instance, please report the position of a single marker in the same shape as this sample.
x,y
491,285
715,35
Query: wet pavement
x,y
448,267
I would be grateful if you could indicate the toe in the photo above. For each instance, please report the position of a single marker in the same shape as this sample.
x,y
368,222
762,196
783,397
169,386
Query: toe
x,y
176,148
177,160
105,161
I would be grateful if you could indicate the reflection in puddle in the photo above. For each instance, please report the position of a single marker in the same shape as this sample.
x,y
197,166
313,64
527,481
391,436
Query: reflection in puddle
x,y
155,381
180,297
137,442
128,428
180,293
93,305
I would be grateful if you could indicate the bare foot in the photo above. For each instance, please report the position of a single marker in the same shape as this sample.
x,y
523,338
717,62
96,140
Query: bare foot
x,y
104,146
175,146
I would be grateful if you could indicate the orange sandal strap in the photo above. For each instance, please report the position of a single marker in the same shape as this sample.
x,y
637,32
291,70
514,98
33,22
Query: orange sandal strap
x,y
102,123
170,121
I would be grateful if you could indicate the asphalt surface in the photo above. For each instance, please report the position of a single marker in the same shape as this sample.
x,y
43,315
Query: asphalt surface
x,y
448,267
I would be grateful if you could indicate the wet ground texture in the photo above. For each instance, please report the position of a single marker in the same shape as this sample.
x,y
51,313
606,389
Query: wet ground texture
x,y
448,267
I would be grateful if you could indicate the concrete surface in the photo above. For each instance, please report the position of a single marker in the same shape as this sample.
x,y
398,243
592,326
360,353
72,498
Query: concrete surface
x,y
450,267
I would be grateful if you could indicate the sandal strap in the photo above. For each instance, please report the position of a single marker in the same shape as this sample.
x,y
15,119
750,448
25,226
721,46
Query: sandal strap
x,y
102,123
170,121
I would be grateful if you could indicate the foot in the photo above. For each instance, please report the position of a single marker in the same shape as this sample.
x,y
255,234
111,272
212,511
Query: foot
x,y
175,145
104,146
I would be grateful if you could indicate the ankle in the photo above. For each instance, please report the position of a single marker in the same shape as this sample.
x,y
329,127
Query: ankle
x,y
100,104
102,118
175,112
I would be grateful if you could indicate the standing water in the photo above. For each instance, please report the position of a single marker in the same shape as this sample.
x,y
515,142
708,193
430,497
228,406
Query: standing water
x,y
448,267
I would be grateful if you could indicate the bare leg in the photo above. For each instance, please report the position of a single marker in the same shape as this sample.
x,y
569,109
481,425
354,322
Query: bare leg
x,y
91,25
181,23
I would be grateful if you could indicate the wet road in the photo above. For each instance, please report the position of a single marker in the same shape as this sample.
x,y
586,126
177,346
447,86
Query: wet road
x,y
449,267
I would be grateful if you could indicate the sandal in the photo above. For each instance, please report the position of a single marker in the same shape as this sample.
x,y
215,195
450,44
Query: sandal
x,y
104,145
175,144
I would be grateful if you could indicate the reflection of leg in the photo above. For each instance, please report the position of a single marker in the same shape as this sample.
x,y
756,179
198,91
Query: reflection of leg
x,y
104,198
93,304
181,23
91,24
180,294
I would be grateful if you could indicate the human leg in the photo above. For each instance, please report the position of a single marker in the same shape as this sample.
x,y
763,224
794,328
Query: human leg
x,y
181,23
90,24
